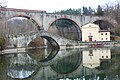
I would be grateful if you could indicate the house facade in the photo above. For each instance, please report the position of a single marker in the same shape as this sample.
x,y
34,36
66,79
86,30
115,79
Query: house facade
x,y
92,32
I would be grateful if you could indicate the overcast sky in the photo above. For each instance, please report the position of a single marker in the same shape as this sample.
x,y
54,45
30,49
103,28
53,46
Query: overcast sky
x,y
54,5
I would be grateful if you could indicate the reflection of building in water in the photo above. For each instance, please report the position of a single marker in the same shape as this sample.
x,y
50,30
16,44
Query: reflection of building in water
x,y
92,58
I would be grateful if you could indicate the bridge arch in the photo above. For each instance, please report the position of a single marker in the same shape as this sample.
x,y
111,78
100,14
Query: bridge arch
x,y
33,20
104,24
52,41
67,24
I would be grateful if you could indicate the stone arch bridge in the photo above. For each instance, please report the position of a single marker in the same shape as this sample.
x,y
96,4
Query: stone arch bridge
x,y
22,40
44,20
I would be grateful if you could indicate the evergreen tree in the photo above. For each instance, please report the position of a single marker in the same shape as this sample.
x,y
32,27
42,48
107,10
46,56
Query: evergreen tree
x,y
70,11
90,11
100,11
85,11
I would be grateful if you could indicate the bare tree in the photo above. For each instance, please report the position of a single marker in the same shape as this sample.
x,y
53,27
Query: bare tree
x,y
113,11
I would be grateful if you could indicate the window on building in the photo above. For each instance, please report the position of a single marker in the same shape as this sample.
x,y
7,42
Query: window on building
x,y
106,56
105,33
102,56
90,53
101,38
106,38
101,33
91,65
90,34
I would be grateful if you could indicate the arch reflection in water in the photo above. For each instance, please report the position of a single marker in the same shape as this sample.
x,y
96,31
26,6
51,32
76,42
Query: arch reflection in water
x,y
68,64
21,66
42,55
20,71
14,65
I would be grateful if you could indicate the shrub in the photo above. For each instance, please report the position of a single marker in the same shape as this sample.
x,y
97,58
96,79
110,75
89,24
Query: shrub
x,y
2,43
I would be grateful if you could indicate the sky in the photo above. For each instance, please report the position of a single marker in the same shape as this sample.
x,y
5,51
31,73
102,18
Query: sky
x,y
54,5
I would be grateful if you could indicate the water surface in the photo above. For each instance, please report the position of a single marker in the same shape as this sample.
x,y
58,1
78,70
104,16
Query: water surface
x,y
70,64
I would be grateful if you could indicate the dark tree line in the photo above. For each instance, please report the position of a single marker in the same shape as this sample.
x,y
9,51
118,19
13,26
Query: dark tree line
x,y
70,11
84,10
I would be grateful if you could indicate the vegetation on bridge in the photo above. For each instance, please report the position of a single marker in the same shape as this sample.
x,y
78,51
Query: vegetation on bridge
x,y
84,10
2,43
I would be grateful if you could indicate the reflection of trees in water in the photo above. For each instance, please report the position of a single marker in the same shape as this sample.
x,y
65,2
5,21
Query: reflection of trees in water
x,y
3,67
114,69
111,68
104,65
67,64
117,71
65,28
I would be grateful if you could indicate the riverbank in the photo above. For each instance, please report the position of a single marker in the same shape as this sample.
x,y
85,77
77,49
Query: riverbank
x,y
15,50
82,45
94,44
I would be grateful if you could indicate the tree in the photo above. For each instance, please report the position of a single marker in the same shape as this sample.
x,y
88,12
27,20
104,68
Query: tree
x,y
70,11
113,12
85,11
90,11
2,43
100,11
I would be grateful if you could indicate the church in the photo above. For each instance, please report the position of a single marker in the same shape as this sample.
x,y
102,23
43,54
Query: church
x,y
91,32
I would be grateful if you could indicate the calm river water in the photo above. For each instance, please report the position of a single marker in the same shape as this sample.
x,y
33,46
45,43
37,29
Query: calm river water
x,y
69,64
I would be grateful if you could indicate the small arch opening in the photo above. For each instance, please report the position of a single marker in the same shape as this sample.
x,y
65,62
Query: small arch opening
x,y
104,25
